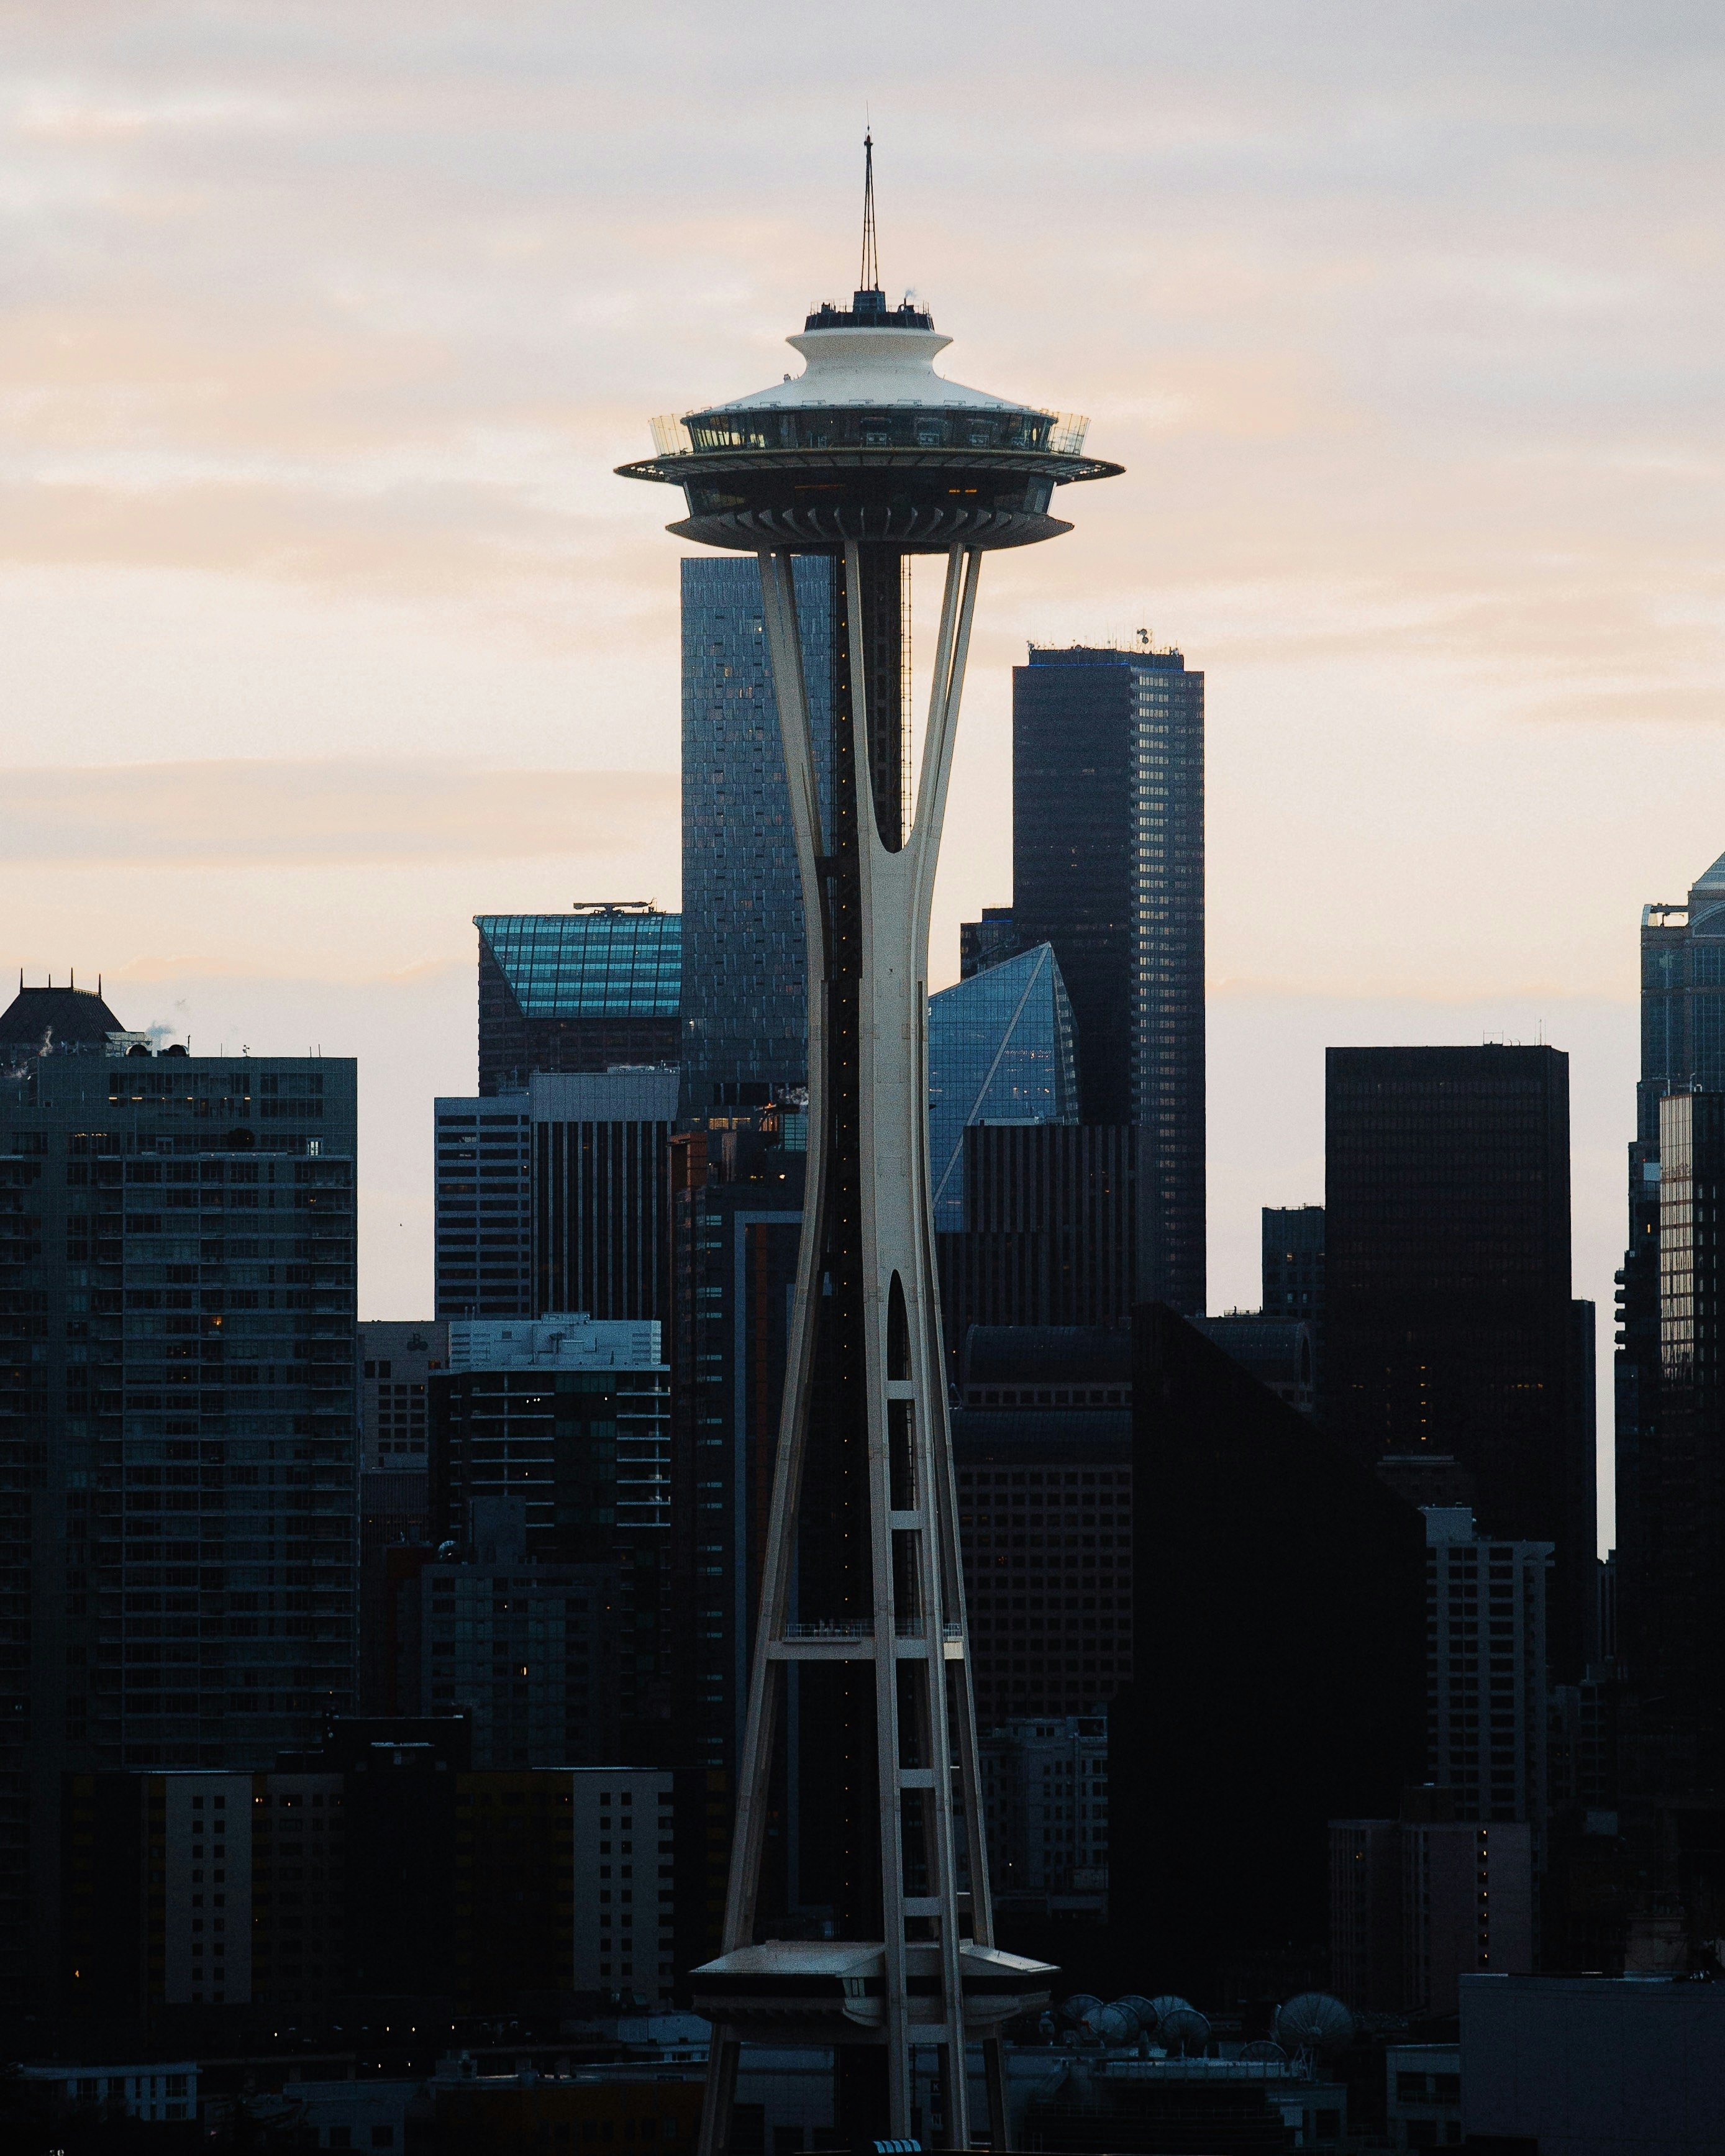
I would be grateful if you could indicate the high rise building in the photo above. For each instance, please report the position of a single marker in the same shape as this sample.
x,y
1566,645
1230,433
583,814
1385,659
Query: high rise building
x,y
999,1051
737,1222
1108,867
985,942
1671,1496
484,1262
554,1198
1449,1326
177,1406
1293,1237
1672,1481
526,1650
600,1203
1280,1640
1043,1451
1487,1702
572,1415
1061,1228
745,1022
585,990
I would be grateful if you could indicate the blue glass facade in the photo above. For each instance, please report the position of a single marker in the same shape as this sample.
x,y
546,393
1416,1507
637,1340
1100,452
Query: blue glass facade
x,y
744,1006
579,991
999,1050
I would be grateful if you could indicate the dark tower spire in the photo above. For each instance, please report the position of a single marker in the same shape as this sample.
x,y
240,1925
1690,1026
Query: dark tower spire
x,y
870,281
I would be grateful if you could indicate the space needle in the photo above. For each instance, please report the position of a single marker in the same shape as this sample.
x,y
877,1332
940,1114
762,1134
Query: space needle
x,y
861,1685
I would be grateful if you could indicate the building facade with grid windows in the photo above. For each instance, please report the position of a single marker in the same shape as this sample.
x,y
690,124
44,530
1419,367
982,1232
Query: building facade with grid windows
x,y
745,1022
1108,867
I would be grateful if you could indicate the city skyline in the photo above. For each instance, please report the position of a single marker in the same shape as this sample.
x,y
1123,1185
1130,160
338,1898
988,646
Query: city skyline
x,y
378,634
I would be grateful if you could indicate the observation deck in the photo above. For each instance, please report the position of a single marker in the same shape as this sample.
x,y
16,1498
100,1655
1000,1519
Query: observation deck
x,y
869,446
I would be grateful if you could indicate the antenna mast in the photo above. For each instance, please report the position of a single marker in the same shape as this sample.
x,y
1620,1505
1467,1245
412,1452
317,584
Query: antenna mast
x,y
870,281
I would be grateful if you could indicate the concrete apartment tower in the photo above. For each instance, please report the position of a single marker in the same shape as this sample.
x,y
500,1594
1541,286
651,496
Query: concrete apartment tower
x,y
866,458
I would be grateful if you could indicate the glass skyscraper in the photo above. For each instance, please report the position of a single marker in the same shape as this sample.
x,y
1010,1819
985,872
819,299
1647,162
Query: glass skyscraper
x,y
584,990
999,1051
744,1008
1108,867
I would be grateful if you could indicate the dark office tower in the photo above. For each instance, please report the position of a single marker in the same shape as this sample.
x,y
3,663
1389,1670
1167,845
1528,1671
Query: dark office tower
x,y
745,1012
1043,1447
600,1203
1060,1228
737,1218
985,942
999,1051
176,1421
1682,1049
1671,1537
1448,1328
579,991
1294,1263
1280,1638
483,1264
1108,866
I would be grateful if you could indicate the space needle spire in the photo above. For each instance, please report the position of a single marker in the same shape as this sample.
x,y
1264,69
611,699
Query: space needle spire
x,y
870,279
860,1721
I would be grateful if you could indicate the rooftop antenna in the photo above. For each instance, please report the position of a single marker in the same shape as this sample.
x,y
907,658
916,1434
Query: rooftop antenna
x,y
870,281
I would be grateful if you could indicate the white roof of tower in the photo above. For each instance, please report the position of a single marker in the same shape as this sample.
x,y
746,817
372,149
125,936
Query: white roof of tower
x,y
873,367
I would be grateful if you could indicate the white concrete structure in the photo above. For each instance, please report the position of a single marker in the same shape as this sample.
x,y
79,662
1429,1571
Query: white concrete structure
x,y
868,457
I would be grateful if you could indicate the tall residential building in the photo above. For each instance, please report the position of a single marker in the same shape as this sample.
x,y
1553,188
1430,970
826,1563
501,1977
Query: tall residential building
x,y
1108,867
1448,1328
745,1025
999,1051
585,990
177,1427
1487,1702
571,1416
525,1648
1293,1263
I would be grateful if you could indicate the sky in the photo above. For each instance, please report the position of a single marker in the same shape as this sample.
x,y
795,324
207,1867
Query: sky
x,y
325,626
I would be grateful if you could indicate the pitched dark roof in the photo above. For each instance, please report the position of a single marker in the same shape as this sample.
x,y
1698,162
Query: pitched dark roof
x,y
75,1017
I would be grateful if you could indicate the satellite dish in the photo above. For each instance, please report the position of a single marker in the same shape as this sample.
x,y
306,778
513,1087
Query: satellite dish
x,y
1314,2022
1260,2048
1185,2029
1135,2002
1075,2008
1111,2027
1168,2002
